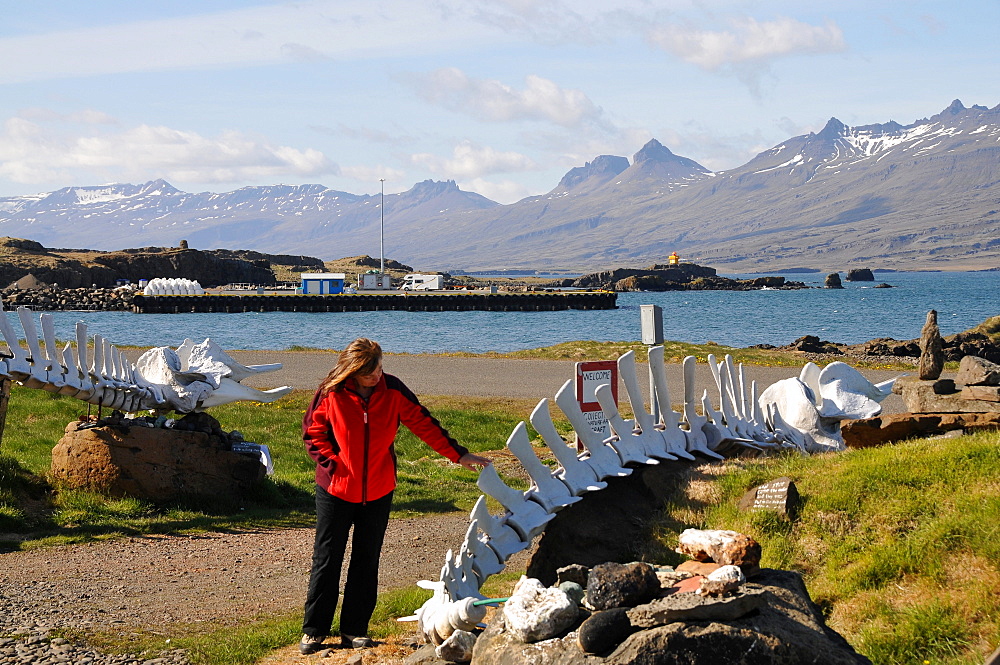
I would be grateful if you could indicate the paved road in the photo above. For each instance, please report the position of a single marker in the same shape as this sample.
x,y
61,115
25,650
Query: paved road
x,y
497,377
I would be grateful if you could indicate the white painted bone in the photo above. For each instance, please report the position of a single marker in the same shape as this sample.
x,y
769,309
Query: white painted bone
x,y
714,432
484,558
602,458
741,414
697,441
38,372
109,379
546,489
526,517
627,441
729,424
455,581
55,372
643,435
580,478
71,383
501,537
18,366
674,438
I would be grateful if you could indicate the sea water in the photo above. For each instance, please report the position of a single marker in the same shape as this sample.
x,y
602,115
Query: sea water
x,y
857,313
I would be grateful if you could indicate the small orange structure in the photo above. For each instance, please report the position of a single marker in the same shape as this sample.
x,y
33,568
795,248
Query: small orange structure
x,y
673,259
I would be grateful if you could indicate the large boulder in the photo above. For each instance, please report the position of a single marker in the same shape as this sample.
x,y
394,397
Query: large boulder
x,y
813,344
536,612
160,465
975,371
860,275
612,585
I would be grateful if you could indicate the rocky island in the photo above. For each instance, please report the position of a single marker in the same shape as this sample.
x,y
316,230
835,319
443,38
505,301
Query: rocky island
x,y
676,277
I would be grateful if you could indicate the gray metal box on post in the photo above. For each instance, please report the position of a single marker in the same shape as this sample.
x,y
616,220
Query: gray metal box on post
x,y
651,317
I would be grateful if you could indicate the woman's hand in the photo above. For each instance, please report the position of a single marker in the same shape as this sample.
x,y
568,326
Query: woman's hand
x,y
473,462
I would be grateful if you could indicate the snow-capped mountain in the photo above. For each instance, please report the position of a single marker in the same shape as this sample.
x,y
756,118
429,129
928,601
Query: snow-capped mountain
x,y
923,195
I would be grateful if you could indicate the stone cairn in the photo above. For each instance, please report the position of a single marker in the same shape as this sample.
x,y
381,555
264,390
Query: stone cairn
x,y
931,349
802,413
718,603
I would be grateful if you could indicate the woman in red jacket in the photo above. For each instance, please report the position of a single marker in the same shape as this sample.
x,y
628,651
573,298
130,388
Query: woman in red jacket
x,y
349,431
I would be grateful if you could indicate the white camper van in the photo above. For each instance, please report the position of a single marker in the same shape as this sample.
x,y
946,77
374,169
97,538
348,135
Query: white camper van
x,y
415,282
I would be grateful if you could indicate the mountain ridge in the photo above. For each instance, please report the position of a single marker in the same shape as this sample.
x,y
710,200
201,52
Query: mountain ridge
x,y
919,196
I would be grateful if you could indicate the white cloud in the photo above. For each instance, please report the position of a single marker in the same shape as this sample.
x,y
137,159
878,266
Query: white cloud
x,y
469,160
310,30
489,99
576,149
747,41
303,53
372,174
504,191
543,20
36,152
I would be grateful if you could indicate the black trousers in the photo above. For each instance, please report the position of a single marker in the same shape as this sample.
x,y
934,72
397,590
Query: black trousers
x,y
334,519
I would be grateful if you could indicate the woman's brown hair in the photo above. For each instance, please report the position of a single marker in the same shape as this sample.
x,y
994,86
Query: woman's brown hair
x,y
362,356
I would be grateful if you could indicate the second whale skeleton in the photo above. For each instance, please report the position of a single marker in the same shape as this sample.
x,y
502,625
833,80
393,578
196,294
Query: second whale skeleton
x,y
801,413
191,378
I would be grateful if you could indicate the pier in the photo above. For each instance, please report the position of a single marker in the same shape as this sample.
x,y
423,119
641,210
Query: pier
x,y
547,301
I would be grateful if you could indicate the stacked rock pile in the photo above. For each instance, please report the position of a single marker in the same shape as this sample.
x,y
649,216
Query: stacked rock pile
x,y
717,604
52,298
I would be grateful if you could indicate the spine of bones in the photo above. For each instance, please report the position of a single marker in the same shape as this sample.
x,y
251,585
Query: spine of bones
x,y
802,413
193,377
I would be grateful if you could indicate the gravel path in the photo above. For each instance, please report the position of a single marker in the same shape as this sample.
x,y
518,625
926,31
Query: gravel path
x,y
501,377
163,584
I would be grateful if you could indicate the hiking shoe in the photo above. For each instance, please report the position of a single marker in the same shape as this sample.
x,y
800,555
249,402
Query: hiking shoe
x,y
311,643
352,642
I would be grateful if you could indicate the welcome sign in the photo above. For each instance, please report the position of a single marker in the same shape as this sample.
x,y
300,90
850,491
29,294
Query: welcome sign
x,y
589,375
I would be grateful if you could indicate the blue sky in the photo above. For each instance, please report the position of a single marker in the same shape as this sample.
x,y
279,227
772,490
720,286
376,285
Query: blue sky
x,y
502,96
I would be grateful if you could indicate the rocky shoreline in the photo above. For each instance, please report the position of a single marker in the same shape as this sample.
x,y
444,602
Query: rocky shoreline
x,y
955,347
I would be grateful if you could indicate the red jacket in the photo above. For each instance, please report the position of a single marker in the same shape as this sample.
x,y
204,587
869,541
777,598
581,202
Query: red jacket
x,y
351,438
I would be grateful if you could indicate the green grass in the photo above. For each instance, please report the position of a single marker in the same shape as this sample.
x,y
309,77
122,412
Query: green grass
x,y
36,419
899,545
990,327
675,352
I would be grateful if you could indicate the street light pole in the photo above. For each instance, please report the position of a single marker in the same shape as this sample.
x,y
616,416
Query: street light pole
x,y
381,229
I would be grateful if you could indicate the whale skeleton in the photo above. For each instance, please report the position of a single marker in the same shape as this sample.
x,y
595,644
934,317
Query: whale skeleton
x,y
801,413
192,378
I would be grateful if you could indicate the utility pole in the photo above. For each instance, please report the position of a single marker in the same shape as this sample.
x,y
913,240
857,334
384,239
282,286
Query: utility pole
x,y
381,229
